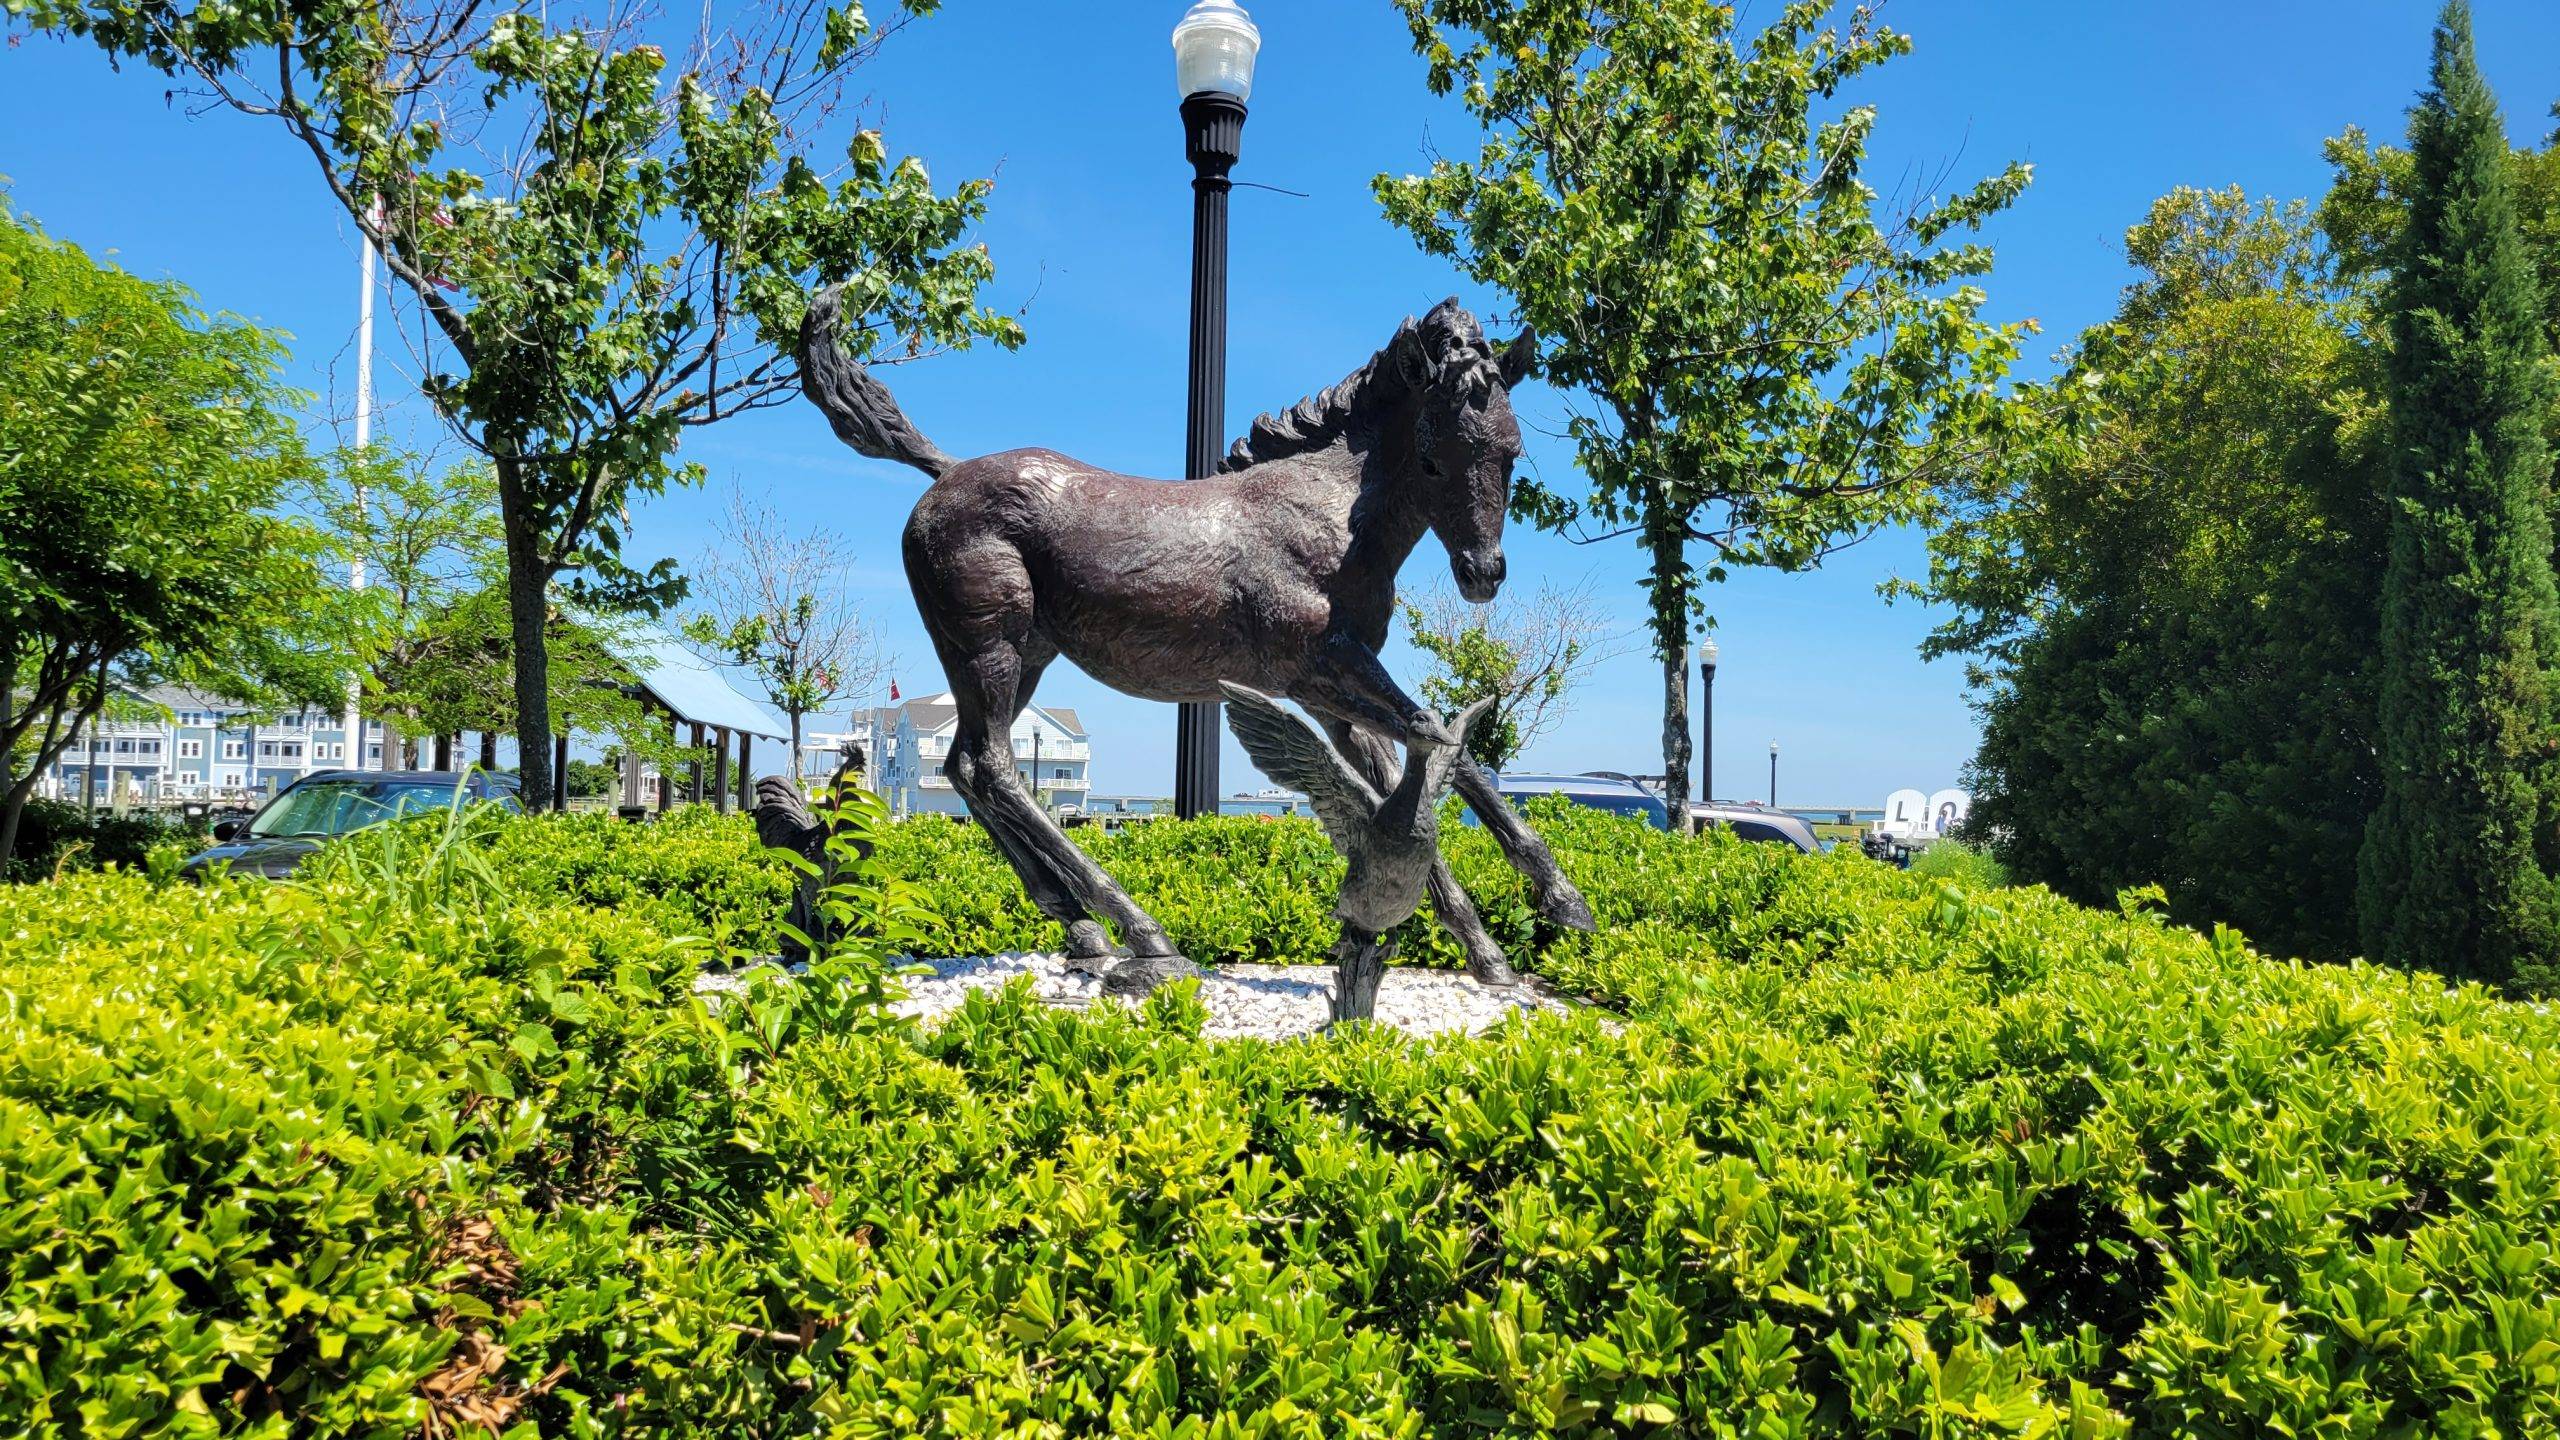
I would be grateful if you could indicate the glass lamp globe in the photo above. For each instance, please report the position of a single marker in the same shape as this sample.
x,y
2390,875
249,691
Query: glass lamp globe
x,y
1707,651
1213,50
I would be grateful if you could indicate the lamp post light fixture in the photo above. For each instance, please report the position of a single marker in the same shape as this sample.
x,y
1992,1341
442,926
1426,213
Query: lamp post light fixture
x,y
1773,774
1213,54
1707,653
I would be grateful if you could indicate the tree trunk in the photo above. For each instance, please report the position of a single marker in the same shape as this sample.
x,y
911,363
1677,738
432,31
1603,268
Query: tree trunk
x,y
17,800
89,771
529,617
17,792
488,749
17,806
1671,642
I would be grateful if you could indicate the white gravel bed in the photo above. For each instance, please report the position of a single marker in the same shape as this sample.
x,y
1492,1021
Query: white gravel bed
x,y
1272,1002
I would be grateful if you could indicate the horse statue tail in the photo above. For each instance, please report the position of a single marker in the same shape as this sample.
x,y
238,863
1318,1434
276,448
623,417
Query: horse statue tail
x,y
863,413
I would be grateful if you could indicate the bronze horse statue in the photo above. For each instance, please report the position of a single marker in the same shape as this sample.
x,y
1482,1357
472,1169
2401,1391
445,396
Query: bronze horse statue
x,y
1278,574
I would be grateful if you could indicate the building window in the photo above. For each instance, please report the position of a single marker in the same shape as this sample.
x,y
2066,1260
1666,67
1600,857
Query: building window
x,y
373,752
124,747
266,749
337,749
292,750
235,749
147,747
190,749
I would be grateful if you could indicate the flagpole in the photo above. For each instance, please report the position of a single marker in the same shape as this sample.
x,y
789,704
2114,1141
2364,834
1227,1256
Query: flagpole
x,y
364,437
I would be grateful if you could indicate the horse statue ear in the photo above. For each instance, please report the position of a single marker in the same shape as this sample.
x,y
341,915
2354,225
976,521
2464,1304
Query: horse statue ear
x,y
1519,359
1413,365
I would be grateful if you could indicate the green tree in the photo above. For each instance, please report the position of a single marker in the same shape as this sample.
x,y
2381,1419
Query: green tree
x,y
2456,873
590,779
431,631
426,542
774,600
1524,654
2164,591
1765,360
144,447
609,244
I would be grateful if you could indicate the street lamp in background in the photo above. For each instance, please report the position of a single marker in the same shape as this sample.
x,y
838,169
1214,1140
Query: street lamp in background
x,y
1707,653
1213,53
1773,774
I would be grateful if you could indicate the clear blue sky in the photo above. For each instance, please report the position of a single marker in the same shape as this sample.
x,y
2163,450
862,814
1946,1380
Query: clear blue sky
x,y
1071,107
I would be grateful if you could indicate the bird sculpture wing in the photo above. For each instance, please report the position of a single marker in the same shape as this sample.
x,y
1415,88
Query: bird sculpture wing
x,y
1290,751
784,820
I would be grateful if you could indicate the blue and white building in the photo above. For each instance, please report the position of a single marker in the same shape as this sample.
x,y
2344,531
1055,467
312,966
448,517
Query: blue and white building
x,y
908,744
202,748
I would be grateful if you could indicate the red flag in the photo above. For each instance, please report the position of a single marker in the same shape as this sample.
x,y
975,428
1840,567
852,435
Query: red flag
x,y
893,689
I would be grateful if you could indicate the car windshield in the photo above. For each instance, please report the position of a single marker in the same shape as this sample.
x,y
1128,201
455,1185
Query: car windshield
x,y
1650,810
334,807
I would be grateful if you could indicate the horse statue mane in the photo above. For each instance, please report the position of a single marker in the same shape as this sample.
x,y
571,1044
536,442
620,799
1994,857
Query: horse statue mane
x,y
1419,351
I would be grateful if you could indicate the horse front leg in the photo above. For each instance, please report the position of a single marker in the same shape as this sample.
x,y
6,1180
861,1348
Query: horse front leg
x,y
1556,899
1347,681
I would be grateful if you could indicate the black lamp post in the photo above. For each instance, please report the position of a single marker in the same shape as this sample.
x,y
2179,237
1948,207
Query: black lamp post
x,y
1773,774
1707,721
1213,53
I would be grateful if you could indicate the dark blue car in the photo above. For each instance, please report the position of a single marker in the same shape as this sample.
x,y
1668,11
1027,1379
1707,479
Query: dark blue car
x,y
326,804
1600,792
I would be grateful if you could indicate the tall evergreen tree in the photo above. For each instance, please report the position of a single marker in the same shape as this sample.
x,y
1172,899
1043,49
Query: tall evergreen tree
x,y
2456,872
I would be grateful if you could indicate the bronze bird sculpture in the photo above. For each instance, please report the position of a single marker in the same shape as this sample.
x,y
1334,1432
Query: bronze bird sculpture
x,y
1388,842
784,821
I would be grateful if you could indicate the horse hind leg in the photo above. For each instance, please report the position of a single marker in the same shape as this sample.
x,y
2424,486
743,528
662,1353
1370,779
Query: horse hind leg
x,y
1062,879
1088,944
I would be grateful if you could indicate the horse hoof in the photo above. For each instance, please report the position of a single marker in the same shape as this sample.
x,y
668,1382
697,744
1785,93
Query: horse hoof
x,y
1139,976
1087,940
1564,908
1492,970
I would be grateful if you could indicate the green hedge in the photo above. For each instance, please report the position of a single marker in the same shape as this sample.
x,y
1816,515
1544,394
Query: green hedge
x,y
406,1147
60,835
1230,889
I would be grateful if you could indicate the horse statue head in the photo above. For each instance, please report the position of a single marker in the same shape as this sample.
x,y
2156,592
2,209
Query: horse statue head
x,y
1432,414
1464,436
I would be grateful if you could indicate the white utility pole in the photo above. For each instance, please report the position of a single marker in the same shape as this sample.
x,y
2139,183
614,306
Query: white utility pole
x,y
354,728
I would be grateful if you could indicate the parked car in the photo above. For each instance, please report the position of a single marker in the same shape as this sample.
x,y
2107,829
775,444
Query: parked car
x,y
326,804
1751,821
1615,794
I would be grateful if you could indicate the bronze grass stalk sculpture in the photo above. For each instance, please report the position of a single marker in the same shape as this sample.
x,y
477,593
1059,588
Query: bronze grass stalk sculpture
x,y
1278,574
1388,843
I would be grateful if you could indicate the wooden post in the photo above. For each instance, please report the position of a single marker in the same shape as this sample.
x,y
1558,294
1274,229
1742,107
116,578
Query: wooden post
x,y
693,786
720,770
444,752
666,772
488,749
560,772
746,772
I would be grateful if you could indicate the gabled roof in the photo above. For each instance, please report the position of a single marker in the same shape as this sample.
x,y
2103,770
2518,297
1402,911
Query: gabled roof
x,y
929,713
691,686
